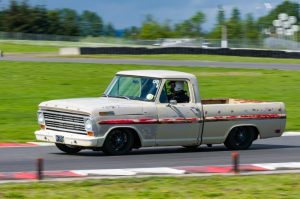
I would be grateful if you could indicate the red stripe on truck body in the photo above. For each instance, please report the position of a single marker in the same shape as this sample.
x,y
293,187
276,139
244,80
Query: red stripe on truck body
x,y
179,120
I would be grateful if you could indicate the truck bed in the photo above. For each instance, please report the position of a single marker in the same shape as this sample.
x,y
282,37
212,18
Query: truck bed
x,y
228,101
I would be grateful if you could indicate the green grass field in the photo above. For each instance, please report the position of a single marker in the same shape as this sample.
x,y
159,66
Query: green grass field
x,y
23,85
7,47
234,187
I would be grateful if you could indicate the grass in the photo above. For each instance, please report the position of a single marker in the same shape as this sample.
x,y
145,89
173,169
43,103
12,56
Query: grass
x,y
7,47
217,58
23,85
234,187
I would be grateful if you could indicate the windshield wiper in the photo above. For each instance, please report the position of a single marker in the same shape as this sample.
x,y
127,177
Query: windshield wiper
x,y
124,97
104,95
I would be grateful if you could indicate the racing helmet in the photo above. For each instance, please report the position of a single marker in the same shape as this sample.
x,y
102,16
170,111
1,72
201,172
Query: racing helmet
x,y
178,86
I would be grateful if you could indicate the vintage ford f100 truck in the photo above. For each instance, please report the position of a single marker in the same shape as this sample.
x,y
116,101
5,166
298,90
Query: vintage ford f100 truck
x,y
144,108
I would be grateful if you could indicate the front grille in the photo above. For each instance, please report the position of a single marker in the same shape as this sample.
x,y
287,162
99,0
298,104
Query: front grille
x,y
66,118
64,121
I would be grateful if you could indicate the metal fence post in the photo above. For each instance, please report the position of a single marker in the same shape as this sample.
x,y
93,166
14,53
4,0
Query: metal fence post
x,y
235,162
40,168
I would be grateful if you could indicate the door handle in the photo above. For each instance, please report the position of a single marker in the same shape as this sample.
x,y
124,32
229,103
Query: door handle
x,y
195,109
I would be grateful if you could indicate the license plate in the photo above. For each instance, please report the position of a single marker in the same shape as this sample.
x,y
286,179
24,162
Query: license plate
x,y
60,138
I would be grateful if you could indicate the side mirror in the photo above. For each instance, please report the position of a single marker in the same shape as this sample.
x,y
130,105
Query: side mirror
x,y
173,102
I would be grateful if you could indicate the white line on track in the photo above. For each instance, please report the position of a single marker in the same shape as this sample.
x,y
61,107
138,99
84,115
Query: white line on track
x,y
290,133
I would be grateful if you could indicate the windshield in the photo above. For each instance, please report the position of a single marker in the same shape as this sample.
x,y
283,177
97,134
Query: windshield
x,y
132,87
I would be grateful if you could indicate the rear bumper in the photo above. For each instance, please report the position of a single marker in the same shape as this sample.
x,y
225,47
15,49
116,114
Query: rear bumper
x,y
69,138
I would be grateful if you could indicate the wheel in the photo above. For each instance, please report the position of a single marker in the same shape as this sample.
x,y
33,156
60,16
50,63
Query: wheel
x,y
68,148
118,142
240,138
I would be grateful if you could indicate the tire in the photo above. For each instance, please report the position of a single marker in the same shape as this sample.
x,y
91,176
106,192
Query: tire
x,y
68,148
118,142
240,138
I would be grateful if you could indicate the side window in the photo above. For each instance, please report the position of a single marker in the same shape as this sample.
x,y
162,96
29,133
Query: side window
x,y
175,90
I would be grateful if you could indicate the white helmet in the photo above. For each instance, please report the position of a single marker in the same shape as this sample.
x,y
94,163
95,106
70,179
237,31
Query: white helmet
x,y
178,86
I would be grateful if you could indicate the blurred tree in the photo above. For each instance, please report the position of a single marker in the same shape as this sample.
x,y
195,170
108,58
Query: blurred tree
x,y
251,28
234,25
132,32
184,29
197,20
109,30
24,11
19,16
288,7
90,24
191,27
166,30
37,20
216,32
69,21
13,18
55,25
221,16
1,18
152,29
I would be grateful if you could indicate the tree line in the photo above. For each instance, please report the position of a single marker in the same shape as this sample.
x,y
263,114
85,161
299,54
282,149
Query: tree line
x,y
237,26
21,17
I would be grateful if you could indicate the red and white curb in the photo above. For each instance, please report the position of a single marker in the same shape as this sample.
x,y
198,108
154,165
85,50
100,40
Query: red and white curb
x,y
7,145
280,166
32,175
182,170
28,144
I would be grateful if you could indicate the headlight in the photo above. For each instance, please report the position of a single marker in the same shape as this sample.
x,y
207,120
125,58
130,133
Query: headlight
x,y
88,125
41,119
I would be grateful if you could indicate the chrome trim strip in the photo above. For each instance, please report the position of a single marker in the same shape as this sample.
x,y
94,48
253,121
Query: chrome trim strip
x,y
65,113
63,121
65,130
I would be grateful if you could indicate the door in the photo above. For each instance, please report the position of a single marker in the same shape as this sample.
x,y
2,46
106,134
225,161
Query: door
x,y
178,115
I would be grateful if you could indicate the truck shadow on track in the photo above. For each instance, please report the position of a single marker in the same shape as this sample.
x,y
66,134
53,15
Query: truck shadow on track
x,y
174,150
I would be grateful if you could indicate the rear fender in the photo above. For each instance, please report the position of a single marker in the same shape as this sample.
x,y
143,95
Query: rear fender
x,y
241,125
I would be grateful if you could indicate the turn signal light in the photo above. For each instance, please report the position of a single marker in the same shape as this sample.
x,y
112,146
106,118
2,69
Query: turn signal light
x,y
90,133
43,126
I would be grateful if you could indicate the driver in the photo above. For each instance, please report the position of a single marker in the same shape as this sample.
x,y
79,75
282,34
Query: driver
x,y
177,92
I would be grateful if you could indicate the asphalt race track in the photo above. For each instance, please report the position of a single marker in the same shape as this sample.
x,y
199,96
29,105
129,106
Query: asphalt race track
x,y
189,63
273,150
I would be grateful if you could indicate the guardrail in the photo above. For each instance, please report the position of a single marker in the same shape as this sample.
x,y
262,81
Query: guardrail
x,y
182,50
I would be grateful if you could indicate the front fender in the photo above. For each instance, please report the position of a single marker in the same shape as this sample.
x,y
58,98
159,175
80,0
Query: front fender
x,y
125,127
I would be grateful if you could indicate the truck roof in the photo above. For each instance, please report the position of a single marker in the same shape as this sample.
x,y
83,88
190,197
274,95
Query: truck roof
x,y
158,74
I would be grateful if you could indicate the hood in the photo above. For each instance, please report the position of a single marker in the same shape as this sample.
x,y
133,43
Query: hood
x,y
95,105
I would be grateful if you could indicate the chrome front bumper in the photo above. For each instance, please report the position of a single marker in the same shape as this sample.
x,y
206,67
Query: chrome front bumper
x,y
69,138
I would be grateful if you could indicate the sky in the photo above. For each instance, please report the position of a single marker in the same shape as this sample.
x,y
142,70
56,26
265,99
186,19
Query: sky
x,y
126,13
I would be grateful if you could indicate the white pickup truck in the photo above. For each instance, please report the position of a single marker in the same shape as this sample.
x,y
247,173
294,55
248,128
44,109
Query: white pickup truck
x,y
145,108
